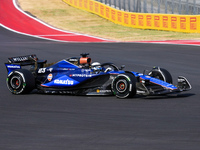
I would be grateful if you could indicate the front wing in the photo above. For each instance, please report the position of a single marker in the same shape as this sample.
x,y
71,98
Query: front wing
x,y
153,86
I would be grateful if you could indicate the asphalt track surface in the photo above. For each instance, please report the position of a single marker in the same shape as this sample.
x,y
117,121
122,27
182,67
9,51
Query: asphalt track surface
x,y
62,122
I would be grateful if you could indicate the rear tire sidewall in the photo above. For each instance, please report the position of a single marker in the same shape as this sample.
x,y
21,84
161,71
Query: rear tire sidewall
x,y
20,81
124,85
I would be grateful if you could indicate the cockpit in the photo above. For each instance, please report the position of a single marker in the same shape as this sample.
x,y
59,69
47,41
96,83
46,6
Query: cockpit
x,y
85,62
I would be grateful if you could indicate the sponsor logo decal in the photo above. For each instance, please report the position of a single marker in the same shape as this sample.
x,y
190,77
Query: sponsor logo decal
x,y
133,19
183,22
49,77
157,21
165,21
141,21
193,23
73,59
20,58
69,69
113,15
103,91
64,82
174,22
10,66
81,75
126,18
149,20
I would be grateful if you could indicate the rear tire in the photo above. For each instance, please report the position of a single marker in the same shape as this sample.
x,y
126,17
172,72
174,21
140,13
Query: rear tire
x,y
20,81
161,74
124,85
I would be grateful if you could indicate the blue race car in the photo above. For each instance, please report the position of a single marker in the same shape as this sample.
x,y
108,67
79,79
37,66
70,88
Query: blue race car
x,y
79,76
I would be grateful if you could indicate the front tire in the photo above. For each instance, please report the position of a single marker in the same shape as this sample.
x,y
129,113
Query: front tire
x,y
161,74
20,81
124,85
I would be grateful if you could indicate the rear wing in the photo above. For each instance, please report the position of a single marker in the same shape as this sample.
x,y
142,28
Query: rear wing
x,y
19,61
23,60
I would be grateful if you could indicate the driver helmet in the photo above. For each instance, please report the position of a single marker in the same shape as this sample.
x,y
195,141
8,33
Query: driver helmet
x,y
96,66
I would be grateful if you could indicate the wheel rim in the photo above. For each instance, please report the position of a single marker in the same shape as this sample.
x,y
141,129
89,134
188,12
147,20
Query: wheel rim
x,y
121,86
157,76
15,82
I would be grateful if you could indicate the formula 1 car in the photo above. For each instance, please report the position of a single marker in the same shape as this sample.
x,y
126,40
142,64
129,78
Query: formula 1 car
x,y
79,76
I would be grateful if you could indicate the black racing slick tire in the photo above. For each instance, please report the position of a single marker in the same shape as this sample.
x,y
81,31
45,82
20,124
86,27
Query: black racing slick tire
x,y
20,81
161,74
124,85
